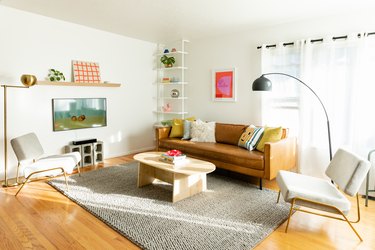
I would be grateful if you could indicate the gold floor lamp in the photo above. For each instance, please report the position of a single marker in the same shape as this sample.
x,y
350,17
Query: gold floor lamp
x,y
27,81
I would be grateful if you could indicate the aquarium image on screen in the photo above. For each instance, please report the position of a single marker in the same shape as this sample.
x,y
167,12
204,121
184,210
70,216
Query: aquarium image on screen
x,y
77,113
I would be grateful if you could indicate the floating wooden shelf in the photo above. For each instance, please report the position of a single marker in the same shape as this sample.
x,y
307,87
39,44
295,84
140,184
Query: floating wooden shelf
x,y
70,84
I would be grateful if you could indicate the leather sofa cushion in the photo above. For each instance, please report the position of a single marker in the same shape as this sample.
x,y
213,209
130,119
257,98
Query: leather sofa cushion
x,y
217,151
229,133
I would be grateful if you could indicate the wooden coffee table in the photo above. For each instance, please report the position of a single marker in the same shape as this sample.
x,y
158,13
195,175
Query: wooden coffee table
x,y
188,178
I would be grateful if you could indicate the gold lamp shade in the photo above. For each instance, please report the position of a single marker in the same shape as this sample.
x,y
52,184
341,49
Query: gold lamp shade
x,y
28,80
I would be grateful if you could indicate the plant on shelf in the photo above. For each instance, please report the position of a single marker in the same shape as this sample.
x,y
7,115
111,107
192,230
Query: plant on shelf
x,y
55,75
167,61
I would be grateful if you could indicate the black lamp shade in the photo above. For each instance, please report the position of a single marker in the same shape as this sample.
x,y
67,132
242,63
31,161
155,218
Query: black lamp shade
x,y
262,84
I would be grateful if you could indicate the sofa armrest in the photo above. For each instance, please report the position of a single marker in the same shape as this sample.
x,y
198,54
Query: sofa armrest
x,y
160,133
281,155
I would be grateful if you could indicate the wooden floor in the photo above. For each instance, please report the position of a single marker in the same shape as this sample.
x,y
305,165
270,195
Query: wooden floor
x,y
40,217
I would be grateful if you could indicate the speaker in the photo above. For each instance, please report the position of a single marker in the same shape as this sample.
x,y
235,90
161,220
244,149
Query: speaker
x,y
84,141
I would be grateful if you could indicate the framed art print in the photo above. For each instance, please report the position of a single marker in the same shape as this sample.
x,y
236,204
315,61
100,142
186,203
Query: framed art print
x,y
86,72
224,85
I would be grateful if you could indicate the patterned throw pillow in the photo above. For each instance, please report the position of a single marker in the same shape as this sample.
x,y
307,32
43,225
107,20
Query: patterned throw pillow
x,y
203,131
251,137
270,135
187,130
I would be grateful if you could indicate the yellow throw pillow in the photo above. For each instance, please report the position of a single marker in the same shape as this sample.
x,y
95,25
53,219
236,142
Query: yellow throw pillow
x,y
178,127
270,135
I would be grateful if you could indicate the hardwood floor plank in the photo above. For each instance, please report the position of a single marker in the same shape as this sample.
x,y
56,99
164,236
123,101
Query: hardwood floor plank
x,y
41,217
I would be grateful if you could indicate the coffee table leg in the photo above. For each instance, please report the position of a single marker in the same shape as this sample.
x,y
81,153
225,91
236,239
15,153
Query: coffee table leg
x,y
145,175
188,185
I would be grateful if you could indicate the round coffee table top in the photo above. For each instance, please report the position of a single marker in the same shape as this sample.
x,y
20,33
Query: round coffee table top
x,y
189,166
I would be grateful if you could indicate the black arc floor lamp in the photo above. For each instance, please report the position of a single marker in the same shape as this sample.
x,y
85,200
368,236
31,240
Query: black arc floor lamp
x,y
264,84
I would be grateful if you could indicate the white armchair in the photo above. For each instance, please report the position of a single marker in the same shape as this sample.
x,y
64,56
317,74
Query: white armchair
x,y
28,151
346,169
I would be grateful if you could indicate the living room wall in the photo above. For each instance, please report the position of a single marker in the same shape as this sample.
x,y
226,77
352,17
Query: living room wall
x,y
239,50
32,44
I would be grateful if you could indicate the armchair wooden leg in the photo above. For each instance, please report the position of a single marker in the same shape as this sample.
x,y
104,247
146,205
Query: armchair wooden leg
x,y
278,197
290,214
260,184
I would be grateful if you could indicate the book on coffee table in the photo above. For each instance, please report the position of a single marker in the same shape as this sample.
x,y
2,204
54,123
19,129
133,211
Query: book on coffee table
x,y
173,159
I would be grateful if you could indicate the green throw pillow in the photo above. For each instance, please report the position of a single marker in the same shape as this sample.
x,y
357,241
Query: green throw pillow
x,y
270,135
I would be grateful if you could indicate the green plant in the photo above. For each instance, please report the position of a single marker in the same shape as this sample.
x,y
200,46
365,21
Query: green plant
x,y
55,75
167,61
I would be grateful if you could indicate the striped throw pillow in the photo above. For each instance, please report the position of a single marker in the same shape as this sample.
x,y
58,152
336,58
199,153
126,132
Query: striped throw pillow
x,y
251,137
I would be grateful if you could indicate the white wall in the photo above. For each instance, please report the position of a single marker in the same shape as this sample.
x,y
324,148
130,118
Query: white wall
x,y
239,50
32,44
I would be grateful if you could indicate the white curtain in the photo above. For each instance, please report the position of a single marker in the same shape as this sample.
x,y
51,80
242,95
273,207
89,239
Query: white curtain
x,y
341,73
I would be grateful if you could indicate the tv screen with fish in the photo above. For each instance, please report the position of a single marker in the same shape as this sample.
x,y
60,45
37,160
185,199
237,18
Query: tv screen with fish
x,y
79,113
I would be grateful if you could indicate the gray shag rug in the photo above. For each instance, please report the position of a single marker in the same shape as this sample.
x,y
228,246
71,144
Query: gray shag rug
x,y
231,214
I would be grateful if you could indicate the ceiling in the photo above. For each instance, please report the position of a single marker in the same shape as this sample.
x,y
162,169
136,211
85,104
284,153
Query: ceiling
x,y
168,20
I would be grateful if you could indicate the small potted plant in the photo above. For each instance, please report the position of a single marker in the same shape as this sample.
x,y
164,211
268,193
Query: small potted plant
x,y
167,61
55,75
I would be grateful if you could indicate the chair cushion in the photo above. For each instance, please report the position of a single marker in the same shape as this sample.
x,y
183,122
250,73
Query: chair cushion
x,y
294,185
66,161
27,147
348,171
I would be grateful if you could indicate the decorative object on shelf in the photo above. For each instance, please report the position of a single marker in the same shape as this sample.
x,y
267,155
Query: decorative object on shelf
x,y
167,61
224,85
175,79
167,108
86,72
28,80
174,50
166,80
166,51
55,75
175,93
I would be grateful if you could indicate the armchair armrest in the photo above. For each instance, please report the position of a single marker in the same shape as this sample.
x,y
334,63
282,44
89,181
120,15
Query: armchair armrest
x,y
160,133
279,155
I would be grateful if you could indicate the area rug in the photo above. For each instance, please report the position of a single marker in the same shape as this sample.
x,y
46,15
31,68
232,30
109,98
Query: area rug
x,y
231,214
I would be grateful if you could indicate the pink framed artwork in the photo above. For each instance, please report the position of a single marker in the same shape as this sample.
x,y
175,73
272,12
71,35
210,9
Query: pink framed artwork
x,y
224,85
86,72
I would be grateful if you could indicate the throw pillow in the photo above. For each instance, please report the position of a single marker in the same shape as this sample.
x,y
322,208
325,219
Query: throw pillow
x,y
250,137
203,131
178,127
187,130
270,135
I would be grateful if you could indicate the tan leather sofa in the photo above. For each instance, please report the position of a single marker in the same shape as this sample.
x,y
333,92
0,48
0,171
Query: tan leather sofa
x,y
227,155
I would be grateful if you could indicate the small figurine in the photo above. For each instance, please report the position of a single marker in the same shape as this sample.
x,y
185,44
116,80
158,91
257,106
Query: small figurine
x,y
167,108
166,51
173,50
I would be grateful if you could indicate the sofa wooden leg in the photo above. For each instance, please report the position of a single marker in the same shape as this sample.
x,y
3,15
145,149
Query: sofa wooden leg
x,y
260,184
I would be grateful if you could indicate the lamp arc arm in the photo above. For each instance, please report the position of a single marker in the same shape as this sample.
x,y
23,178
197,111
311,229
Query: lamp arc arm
x,y
325,111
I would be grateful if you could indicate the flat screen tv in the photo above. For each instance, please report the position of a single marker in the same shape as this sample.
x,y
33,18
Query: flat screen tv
x,y
78,113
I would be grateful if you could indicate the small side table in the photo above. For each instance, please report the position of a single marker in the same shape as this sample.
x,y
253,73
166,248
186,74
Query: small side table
x,y
368,178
